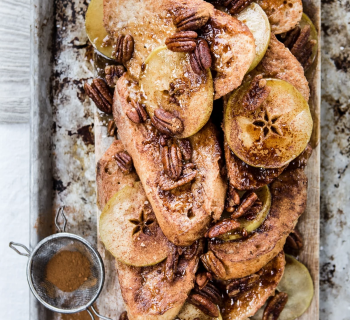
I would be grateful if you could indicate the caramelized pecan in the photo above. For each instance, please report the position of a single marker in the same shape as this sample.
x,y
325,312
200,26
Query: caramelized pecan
x,y
99,92
300,44
113,73
232,199
124,316
137,113
213,264
111,128
202,279
222,227
254,210
275,306
167,123
294,240
123,48
211,292
124,161
239,285
204,304
256,94
184,41
191,19
248,201
235,6
171,264
201,59
186,149
167,185
189,252
172,161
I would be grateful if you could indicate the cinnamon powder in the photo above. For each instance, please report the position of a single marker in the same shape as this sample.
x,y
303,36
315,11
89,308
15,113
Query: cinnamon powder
x,y
68,270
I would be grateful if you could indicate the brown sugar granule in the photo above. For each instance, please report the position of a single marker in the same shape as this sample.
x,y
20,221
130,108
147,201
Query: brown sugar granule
x,y
68,270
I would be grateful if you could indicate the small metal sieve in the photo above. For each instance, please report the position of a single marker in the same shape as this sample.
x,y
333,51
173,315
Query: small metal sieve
x,y
48,294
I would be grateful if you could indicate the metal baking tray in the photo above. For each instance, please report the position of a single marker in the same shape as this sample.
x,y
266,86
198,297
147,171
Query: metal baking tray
x,y
64,126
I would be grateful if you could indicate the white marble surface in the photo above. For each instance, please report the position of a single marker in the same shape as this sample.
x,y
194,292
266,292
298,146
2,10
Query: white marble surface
x,y
14,219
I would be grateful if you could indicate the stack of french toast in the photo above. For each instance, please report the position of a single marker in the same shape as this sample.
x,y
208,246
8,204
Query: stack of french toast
x,y
202,189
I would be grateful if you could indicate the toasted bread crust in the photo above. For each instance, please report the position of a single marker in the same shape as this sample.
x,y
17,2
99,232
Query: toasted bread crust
x,y
183,215
245,257
283,15
280,63
233,50
149,296
109,178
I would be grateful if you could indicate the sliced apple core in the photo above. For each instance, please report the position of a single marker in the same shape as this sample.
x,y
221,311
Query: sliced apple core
x,y
129,230
264,196
258,23
273,134
168,82
190,312
95,29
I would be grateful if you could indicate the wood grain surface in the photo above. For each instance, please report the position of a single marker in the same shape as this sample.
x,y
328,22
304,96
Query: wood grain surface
x,y
14,60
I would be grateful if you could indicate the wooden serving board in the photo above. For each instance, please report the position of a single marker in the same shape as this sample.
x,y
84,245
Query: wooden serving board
x,y
309,224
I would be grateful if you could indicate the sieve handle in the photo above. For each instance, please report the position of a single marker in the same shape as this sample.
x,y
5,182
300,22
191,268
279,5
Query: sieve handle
x,y
95,312
60,212
13,246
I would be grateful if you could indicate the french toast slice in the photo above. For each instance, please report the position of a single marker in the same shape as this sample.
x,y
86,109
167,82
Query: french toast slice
x,y
247,256
280,63
183,212
233,50
283,15
149,295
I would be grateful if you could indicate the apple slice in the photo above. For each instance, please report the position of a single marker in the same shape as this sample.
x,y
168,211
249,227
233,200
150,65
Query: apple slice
x,y
258,23
168,82
305,20
129,229
190,312
274,133
95,28
264,196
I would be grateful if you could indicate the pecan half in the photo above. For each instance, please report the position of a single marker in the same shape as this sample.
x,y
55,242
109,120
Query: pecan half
x,y
172,161
248,201
99,92
186,149
167,123
252,213
275,306
124,316
123,48
189,252
211,292
294,240
171,263
222,227
300,45
213,264
239,285
124,161
191,19
111,128
204,304
201,59
232,199
184,41
167,185
236,6
137,113
202,279
256,94
113,73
